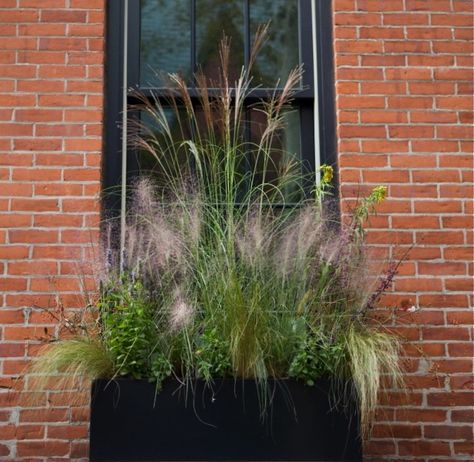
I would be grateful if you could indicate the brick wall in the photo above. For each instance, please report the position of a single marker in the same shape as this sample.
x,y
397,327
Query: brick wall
x,y
404,86
403,73
51,93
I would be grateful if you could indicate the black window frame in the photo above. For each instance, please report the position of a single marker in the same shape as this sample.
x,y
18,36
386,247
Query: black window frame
x,y
320,16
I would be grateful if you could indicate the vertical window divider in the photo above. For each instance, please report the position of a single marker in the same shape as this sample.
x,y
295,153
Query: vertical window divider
x,y
123,191
247,45
193,42
317,141
247,35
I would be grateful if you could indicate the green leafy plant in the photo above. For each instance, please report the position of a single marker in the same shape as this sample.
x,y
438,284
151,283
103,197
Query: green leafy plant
x,y
127,316
220,277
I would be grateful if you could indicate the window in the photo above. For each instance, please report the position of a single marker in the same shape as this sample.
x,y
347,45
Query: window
x,y
180,35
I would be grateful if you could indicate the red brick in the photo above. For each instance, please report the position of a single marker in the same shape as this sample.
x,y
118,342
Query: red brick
x,y
359,74
463,416
451,399
10,284
61,100
440,237
38,115
386,176
437,206
52,144
407,46
416,448
452,20
35,205
461,285
437,117
63,16
443,300
4,450
463,448
430,60
396,431
30,432
356,131
453,74
403,131
31,268
445,268
42,448
465,350
410,102
420,222
436,176
384,146
358,102
67,432
413,160
358,19
52,221
380,117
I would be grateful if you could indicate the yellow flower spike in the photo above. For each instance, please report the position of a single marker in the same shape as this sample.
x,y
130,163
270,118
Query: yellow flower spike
x,y
379,194
328,173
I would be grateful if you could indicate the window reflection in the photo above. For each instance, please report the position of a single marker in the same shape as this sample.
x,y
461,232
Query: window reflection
x,y
214,19
165,44
280,54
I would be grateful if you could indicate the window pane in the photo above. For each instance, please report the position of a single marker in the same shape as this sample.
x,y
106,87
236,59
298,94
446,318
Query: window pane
x,y
165,44
280,53
168,135
214,19
285,147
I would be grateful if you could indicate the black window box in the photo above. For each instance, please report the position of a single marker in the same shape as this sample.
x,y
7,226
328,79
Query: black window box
x,y
131,422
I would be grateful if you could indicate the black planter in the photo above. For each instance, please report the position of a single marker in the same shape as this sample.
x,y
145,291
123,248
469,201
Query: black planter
x,y
130,422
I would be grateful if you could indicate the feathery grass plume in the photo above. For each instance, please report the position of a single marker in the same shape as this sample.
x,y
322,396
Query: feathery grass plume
x,y
372,353
69,362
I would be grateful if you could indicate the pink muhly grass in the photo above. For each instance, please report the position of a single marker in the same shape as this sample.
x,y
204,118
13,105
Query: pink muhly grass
x,y
181,312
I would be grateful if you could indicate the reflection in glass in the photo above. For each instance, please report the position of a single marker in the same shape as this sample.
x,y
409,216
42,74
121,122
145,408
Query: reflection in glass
x,y
214,19
280,54
165,43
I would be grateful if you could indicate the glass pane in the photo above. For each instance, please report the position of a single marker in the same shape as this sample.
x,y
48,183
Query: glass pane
x,y
171,156
285,147
214,19
165,43
280,54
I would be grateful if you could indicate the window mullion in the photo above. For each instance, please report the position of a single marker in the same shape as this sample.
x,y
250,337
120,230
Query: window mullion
x,y
134,32
247,38
193,42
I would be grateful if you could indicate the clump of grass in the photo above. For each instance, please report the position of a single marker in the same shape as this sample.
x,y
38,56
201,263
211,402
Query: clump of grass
x,y
70,362
371,355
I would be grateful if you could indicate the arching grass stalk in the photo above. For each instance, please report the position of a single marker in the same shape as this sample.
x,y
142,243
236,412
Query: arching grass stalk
x,y
69,362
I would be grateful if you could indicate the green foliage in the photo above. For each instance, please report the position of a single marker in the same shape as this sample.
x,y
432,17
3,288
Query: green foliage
x,y
128,329
212,356
317,358
366,207
161,368
216,281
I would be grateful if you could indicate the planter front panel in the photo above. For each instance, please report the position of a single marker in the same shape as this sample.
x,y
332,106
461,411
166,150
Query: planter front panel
x,y
130,422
